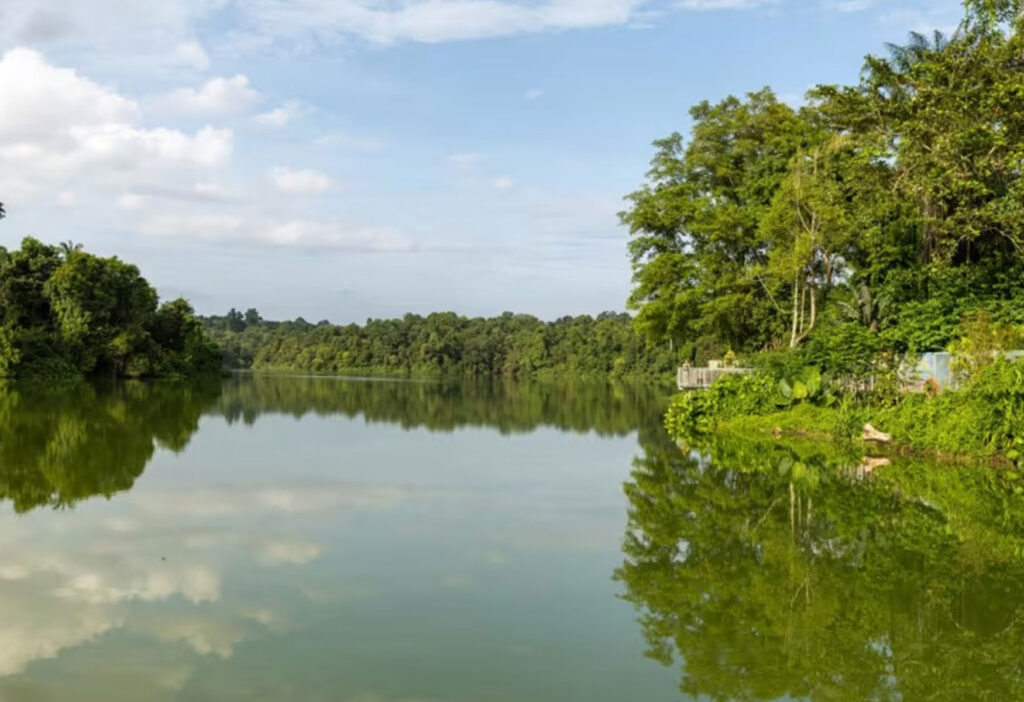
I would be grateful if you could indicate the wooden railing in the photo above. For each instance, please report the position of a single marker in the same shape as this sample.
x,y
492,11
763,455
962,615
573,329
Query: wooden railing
x,y
695,378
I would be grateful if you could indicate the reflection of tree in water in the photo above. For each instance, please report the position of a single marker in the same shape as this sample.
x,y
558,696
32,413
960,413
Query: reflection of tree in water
x,y
59,446
772,570
608,409
62,445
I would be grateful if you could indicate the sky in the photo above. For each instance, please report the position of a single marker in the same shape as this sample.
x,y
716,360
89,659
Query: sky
x,y
349,159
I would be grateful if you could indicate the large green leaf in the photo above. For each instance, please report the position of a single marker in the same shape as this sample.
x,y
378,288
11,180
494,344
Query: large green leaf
x,y
785,389
799,390
811,377
785,465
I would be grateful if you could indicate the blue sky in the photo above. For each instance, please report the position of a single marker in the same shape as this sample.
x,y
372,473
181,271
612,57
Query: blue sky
x,y
346,159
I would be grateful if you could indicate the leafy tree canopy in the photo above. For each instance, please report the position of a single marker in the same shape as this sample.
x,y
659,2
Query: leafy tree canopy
x,y
67,312
896,204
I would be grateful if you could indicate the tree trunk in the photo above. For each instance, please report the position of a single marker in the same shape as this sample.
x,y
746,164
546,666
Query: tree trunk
x,y
796,310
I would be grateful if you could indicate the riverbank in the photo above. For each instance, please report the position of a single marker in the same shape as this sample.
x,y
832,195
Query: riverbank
x,y
983,420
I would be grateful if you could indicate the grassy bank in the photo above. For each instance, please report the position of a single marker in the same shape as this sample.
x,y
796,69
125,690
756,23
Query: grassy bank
x,y
984,419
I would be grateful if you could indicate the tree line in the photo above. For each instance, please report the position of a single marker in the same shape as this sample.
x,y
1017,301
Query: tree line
x,y
443,343
875,217
65,312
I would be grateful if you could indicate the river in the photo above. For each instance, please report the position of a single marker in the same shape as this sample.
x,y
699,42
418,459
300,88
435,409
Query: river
x,y
295,538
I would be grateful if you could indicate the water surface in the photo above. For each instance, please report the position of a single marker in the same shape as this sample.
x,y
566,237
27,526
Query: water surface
x,y
283,538
289,538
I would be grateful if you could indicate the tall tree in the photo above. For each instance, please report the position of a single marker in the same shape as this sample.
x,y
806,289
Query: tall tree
x,y
699,215
896,204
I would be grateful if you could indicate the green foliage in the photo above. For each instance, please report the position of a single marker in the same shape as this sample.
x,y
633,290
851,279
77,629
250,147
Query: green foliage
x,y
874,218
511,346
732,395
983,418
981,341
847,350
806,386
986,417
66,312
849,418
100,309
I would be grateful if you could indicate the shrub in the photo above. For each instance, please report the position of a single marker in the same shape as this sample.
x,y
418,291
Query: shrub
x,y
730,396
981,340
985,417
846,350
850,417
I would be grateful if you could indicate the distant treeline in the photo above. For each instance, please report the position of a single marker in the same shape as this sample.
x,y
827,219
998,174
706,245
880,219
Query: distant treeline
x,y
65,312
444,343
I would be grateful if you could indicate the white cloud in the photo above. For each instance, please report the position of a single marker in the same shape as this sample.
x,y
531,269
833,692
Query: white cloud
x,y
722,4
217,96
169,26
61,132
503,183
66,198
281,116
56,125
303,181
131,201
356,142
924,21
297,233
384,22
211,190
191,53
463,160
107,23
533,94
42,101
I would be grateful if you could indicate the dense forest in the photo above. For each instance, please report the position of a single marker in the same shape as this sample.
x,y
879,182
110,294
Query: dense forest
x,y
65,312
442,344
875,217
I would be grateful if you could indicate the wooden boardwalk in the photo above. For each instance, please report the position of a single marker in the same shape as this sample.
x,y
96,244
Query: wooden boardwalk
x,y
688,378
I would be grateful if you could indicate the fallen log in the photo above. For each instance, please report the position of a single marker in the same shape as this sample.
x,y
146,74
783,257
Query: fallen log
x,y
872,434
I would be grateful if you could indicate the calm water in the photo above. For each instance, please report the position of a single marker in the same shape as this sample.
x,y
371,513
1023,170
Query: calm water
x,y
278,538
